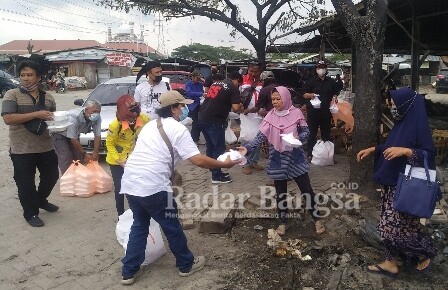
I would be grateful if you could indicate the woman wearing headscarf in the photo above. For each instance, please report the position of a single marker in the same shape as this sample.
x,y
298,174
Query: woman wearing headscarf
x,y
409,138
286,162
120,141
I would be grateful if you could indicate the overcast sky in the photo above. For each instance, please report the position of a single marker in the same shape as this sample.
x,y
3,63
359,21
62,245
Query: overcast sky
x,y
81,19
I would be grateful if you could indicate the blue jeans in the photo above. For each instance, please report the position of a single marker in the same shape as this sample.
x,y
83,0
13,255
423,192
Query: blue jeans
x,y
155,206
253,156
214,134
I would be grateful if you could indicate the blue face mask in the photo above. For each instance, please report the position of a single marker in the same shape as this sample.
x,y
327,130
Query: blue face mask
x,y
184,114
94,117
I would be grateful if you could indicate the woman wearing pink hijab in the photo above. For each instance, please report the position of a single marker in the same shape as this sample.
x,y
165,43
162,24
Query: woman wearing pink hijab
x,y
286,162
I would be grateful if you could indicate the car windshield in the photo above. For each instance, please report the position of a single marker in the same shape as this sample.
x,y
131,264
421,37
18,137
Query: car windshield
x,y
334,72
177,78
108,94
5,75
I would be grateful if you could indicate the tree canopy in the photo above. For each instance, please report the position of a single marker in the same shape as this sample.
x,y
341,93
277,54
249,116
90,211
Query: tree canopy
x,y
203,52
259,21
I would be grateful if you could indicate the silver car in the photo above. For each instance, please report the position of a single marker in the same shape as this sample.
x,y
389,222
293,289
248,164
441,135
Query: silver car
x,y
107,94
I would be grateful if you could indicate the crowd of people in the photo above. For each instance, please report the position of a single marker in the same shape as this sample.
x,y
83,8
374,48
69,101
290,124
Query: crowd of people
x,y
146,141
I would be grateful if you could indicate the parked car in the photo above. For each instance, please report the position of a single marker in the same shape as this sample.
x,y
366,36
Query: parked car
x,y
442,80
333,71
7,82
107,94
178,79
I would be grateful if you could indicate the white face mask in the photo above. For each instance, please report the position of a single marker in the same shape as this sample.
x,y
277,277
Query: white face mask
x,y
321,71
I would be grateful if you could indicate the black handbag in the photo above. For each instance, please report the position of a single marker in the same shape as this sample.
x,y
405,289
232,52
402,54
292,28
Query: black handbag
x,y
417,196
37,126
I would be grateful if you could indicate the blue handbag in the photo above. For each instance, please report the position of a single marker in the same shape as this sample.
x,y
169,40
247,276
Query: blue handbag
x,y
416,196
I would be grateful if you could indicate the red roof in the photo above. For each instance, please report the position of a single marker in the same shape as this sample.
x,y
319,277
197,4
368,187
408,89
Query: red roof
x,y
131,47
20,46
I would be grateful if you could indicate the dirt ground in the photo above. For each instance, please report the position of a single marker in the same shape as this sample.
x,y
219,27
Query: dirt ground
x,y
241,258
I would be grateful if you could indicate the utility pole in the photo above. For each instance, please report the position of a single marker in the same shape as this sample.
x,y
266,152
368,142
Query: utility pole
x,y
160,37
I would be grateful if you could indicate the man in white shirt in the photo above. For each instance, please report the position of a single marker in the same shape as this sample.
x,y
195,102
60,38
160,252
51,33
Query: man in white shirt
x,y
146,182
148,93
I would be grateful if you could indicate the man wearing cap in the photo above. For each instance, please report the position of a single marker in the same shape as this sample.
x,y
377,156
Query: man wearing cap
x,y
146,183
195,90
325,89
222,97
147,93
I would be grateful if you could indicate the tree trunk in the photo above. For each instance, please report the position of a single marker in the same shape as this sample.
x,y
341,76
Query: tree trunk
x,y
260,49
366,111
367,33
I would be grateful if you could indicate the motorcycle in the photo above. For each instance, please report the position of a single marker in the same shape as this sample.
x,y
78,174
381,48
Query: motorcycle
x,y
60,85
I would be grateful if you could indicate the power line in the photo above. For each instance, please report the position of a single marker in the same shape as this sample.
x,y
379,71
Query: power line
x,y
59,9
45,19
41,25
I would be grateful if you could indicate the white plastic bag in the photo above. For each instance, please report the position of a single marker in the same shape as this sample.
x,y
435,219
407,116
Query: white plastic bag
x,y
155,247
234,155
323,153
250,126
334,108
230,135
315,102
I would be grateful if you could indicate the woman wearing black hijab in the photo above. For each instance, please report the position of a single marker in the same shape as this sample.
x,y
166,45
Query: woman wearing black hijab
x,y
409,138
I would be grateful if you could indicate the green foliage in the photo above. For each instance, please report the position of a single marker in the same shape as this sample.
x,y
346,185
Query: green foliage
x,y
203,52
339,57
274,18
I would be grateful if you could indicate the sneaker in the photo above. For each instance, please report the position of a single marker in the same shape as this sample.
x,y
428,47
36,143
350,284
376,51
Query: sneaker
x,y
131,280
198,264
222,179
226,174
35,221
50,207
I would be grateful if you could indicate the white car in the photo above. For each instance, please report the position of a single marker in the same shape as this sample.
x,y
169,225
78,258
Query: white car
x,y
333,71
107,94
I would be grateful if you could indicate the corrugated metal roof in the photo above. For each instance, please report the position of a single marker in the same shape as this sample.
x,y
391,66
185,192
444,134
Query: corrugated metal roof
x,y
80,54
42,46
131,46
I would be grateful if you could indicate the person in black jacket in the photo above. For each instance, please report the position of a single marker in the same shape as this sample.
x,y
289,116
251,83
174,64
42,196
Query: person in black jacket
x,y
325,89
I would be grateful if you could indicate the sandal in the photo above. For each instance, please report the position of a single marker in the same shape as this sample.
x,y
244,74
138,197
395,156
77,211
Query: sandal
x,y
320,227
426,269
281,230
381,271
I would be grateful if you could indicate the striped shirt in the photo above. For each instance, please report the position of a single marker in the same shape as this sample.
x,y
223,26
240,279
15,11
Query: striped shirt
x,y
22,141
286,164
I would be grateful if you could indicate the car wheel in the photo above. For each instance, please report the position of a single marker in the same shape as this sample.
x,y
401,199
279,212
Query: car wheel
x,y
438,90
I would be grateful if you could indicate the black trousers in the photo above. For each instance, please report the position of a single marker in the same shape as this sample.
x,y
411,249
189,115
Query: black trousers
x,y
24,175
281,188
117,173
195,130
314,122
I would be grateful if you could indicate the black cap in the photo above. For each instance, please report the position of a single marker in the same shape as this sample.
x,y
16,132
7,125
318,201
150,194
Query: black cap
x,y
147,67
321,63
